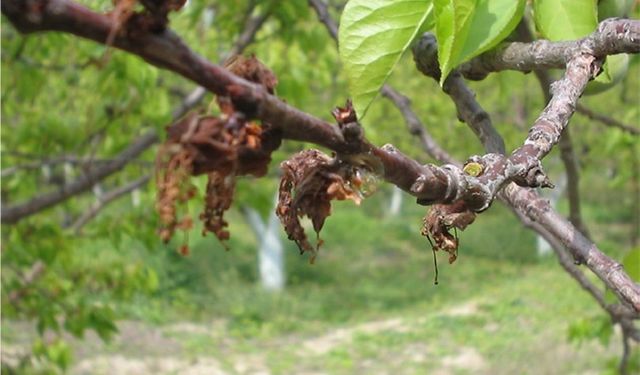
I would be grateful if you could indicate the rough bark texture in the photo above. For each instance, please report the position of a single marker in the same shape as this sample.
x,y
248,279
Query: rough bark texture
x,y
543,135
246,37
612,37
429,183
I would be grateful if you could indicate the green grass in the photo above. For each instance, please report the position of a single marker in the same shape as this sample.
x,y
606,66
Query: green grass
x,y
369,305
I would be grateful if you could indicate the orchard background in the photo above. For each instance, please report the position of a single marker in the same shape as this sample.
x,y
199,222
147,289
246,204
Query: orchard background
x,y
92,284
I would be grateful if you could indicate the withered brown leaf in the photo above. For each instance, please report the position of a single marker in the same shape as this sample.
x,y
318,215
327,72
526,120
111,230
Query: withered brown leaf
x,y
437,224
222,147
311,179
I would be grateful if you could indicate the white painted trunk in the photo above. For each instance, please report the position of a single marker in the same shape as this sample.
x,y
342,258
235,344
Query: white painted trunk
x,y
270,251
396,202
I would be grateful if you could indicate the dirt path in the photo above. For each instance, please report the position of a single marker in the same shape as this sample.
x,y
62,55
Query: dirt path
x,y
210,348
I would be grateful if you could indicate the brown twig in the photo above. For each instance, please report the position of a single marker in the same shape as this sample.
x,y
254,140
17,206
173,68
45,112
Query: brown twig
x,y
416,128
544,135
13,213
613,36
322,11
246,37
429,183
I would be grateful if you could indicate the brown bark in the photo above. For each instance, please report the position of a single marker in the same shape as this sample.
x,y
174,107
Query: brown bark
x,y
429,183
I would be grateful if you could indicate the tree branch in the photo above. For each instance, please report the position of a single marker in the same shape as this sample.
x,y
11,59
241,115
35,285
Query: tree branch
x,y
13,213
429,183
416,128
469,111
568,157
104,200
322,11
613,36
165,50
543,135
246,37
606,120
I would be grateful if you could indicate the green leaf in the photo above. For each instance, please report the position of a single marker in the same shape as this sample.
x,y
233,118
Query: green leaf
x,y
574,19
467,28
373,36
614,8
565,19
631,264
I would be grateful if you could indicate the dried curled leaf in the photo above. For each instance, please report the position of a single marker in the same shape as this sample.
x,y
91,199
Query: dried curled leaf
x,y
440,220
218,147
310,181
174,191
222,148
218,199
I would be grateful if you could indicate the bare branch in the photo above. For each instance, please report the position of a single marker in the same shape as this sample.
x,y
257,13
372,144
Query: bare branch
x,y
246,37
568,157
612,37
104,200
323,15
429,183
13,213
415,126
543,136
606,120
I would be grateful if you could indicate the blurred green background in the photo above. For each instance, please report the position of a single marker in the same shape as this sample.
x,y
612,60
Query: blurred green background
x,y
113,299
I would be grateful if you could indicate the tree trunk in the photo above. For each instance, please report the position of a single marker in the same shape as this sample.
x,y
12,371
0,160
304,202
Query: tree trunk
x,y
270,252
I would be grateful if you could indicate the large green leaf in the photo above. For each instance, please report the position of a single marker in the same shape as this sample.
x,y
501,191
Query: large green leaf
x,y
565,19
574,19
466,28
373,36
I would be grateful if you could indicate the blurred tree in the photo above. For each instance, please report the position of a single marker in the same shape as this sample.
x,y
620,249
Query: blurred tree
x,y
80,122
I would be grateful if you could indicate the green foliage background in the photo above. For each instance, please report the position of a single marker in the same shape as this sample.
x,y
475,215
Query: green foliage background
x,y
59,100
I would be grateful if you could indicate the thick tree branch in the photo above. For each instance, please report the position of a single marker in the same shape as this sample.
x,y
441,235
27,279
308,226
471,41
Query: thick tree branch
x,y
608,270
13,213
612,37
470,112
568,157
429,183
246,37
37,204
542,137
164,49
